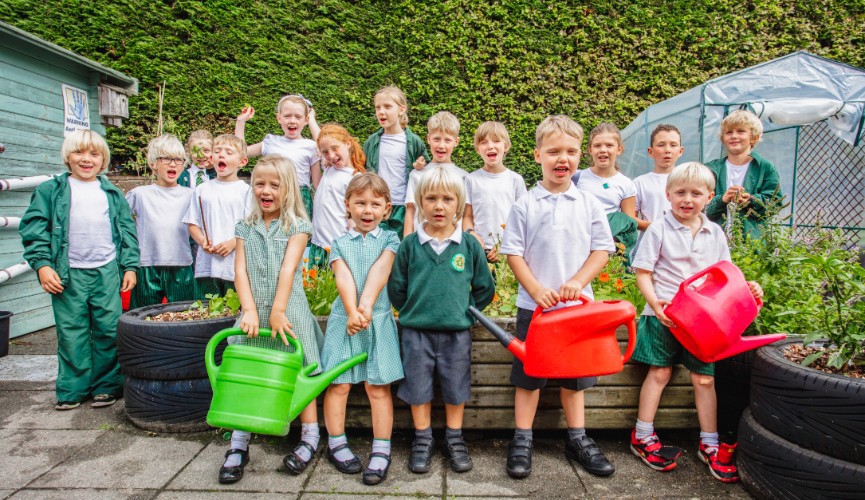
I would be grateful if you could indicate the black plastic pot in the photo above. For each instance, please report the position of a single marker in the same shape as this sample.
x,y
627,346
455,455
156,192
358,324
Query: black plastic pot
x,y
5,319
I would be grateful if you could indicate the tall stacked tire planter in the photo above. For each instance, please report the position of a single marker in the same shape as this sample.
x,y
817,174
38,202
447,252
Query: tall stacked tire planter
x,y
804,434
166,386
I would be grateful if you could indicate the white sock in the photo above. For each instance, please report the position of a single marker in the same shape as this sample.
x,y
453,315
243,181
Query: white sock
x,y
709,439
309,434
380,446
644,429
344,454
239,441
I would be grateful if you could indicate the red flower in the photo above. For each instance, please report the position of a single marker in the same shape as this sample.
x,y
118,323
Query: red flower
x,y
619,285
604,277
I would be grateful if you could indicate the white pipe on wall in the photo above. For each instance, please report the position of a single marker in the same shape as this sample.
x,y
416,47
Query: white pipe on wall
x,y
13,271
23,182
12,222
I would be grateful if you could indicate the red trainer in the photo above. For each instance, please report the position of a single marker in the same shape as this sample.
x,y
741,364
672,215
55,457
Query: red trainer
x,y
720,461
651,452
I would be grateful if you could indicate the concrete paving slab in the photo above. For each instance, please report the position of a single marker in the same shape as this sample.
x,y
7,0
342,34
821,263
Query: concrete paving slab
x,y
264,473
35,410
324,496
221,495
552,476
120,460
28,368
28,454
40,342
326,479
84,494
4,494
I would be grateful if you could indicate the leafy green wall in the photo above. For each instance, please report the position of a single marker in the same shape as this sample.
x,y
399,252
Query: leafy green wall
x,y
515,61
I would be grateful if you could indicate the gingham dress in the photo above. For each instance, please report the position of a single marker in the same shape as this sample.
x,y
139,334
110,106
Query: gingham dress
x,y
379,341
265,250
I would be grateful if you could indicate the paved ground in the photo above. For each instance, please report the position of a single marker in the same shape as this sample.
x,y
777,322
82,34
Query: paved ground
x,y
90,453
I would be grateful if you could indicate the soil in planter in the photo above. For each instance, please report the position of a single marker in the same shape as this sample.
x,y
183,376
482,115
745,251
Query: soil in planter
x,y
797,353
190,315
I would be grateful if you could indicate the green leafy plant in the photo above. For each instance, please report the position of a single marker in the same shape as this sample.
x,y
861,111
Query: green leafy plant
x,y
217,305
320,287
615,282
504,304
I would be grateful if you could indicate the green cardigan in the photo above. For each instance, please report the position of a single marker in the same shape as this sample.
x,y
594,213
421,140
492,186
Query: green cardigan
x,y
44,227
761,181
434,292
414,147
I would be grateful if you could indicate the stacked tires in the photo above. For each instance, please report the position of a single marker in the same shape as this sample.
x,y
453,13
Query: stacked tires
x,y
804,433
166,386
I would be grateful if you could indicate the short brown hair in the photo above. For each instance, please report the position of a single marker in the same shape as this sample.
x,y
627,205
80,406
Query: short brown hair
x,y
367,180
664,127
558,124
443,121
494,130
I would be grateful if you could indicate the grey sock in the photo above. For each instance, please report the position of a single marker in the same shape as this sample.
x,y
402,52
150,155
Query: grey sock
x,y
576,432
423,434
524,433
344,454
379,446
309,434
453,434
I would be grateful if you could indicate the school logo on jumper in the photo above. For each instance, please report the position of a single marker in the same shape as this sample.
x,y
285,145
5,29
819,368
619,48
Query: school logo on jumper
x,y
459,262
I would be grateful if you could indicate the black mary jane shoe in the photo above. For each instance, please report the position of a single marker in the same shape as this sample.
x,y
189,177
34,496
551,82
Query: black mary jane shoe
x,y
371,477
350,466
294,464
228,475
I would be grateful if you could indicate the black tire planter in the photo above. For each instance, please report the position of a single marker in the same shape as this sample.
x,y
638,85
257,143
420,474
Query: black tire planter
x,y
772,467
732,387
813,409
168,405
159,350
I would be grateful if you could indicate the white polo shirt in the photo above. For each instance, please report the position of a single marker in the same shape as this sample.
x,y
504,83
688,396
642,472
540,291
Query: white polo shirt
x,y
652,202
610,191
672,255
439,246
555,233
414,178
491,197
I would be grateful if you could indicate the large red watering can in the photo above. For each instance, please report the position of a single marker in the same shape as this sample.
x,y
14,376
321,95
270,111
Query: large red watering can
x,y
571,342
710,317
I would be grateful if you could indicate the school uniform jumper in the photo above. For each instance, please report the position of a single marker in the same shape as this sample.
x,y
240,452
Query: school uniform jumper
x,y
88,308
761,181
380,340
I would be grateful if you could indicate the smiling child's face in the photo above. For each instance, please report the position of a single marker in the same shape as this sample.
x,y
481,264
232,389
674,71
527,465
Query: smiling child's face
x,y
292,118
85,165
267,193
335,152
559,157
227,160
688,199
441,145
492,151
367,210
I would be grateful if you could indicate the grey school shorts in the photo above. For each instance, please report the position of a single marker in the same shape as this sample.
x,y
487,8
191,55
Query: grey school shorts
x,y
426,353
523,381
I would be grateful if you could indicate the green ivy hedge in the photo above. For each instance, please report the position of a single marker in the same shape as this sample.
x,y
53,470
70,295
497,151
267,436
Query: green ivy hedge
x,y
515,61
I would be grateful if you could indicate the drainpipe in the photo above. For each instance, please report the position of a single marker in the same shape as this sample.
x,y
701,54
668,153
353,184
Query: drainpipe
x,y
13,271
23,182
10,222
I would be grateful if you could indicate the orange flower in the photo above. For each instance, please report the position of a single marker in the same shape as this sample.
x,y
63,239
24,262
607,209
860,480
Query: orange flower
x,y
503,226
619,285
495,297
327,249
604,277
306,284
313,273
306,260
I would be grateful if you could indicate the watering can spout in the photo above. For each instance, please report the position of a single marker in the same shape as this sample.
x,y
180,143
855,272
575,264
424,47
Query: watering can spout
x,y
748,343
306,388
513,344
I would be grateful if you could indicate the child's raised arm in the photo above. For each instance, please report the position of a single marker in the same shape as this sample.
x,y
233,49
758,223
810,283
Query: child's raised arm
x,y
249,323
293,253
245,115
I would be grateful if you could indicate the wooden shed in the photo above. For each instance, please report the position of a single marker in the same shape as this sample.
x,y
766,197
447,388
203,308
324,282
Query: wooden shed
x,y
45,91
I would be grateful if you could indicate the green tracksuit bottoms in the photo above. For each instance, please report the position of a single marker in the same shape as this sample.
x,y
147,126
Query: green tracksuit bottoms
x,y
176,283
86,313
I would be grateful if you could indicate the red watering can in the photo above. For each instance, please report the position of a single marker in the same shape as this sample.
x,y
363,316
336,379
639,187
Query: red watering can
x,y
571,342
710,317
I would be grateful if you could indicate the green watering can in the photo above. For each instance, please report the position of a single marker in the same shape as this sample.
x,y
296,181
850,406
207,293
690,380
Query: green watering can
x,y
262,390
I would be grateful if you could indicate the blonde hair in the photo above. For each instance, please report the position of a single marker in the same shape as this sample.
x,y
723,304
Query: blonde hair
x,y
164,145
198,135
233,141
396,95
291,202
606,128
692,171
440,178
742,117
355,151
445,122
295,98
561,124
84,140
492,130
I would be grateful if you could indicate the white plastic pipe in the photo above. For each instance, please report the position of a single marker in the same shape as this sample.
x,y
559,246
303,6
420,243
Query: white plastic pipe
x,y
10,221
23,182
13,271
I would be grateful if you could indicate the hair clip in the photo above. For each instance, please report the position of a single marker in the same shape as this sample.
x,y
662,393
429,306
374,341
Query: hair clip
x,y
307,101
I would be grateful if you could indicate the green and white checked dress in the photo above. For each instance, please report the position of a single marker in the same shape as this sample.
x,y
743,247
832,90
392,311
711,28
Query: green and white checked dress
x,y
265,250
380,340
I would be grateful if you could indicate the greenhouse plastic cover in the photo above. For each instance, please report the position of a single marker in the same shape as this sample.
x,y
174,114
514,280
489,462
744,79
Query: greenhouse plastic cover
x,y
797,89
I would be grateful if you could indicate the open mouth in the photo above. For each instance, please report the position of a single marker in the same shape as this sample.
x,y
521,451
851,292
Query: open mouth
x,y
171,173
266,202
367,221
492,156
562,170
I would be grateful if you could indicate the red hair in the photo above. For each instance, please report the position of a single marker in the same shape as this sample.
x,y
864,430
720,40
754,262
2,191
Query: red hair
x,y
355,151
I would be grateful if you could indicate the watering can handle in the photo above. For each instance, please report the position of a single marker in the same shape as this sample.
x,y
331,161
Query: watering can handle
x,y
582,298
632,341
685,284
210,351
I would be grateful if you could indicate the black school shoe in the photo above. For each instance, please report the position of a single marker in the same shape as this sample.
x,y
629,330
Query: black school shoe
x,y
458,453
293,463
350,466
519,457
421,455
371,477
585,452
228,475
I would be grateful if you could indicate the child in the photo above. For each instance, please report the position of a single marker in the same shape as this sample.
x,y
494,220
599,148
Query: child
x,y
665,148
439,271
199,147
361,320
270,244
557,240
166,258
443,135
613,189
673,249
344,159
492,190
213,210
293,112
79,236
743,177
393,151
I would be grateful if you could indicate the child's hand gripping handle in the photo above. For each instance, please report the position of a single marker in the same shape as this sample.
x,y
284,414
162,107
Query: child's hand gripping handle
x,y
582,298
210,350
